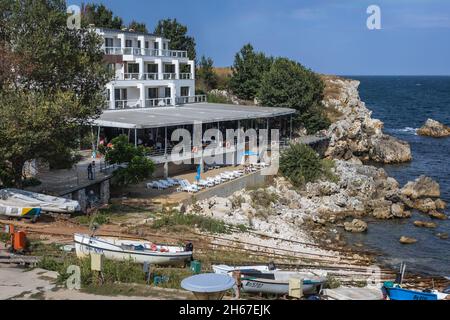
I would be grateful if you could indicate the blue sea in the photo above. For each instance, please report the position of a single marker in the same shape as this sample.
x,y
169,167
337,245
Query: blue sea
x,y
404,103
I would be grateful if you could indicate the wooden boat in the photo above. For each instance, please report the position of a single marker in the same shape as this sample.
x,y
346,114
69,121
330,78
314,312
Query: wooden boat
x,y
19,212
27,199
136,250
277,282
395,292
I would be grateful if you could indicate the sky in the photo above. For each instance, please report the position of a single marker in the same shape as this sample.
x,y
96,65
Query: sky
x,y
328,36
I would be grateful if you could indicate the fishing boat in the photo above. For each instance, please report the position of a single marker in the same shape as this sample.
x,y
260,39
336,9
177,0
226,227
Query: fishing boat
x,y
277,282
26,199
135,250
396,292
19,212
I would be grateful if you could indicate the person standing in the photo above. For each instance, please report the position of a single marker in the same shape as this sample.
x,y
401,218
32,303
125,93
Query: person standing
x,y
93,170
90,172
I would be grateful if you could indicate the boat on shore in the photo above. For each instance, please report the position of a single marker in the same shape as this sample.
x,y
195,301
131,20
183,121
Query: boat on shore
x,y
268,279
16,198
138,251
396,292
277,282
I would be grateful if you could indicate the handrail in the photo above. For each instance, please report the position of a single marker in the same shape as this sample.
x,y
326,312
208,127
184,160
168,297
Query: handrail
x,y
145,52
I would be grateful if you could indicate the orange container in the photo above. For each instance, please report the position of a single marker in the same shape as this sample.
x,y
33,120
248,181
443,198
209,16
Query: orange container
x,y
20,240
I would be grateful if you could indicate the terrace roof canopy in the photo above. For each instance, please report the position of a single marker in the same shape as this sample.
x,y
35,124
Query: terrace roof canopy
x,y
188,114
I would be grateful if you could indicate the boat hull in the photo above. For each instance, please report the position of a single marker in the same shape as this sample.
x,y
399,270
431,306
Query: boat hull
x,y
19,212
279,288
409,295
85,245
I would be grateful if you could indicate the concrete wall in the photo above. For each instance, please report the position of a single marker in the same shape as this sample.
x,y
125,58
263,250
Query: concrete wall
x,y
227,189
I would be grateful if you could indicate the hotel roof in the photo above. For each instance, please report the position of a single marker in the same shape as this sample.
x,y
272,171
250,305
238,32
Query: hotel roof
x,y
185,115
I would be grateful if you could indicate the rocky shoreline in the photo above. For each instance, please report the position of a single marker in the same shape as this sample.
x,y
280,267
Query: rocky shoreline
x,y
322,211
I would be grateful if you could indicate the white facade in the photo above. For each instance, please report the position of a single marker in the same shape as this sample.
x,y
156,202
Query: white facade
x,y
148,73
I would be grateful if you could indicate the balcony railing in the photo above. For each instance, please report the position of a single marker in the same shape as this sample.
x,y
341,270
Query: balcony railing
x,y
128,104
158,102
145,52
154,76
191,99
186,76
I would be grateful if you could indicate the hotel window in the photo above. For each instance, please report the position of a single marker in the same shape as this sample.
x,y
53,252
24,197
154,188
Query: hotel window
x,y
152,93
147,45
128,43
152,68
167,92
185,91
120,94
109,42
133,68
139,43
156,45
165,46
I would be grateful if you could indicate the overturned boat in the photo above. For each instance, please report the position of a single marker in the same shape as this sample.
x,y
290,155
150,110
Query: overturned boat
x,y
26,199
138,251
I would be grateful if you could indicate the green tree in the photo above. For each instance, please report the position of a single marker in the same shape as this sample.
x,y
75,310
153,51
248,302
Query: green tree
x,y
206,77
289,84
100,16
139,167
138,26
247,72
301,164
177,34
52,81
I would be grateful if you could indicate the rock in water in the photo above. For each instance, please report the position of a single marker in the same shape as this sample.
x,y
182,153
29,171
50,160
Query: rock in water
x,y
407,240
443,236
355,226
422,187
387,149
423,224
440,204
437,215
433,128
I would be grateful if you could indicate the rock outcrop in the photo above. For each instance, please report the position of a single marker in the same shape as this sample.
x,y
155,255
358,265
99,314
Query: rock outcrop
x,y
424,224
354,134
435,129
422,187
356,225
407,240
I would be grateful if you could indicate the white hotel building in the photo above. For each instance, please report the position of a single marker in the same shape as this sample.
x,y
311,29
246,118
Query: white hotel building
x,y
147,73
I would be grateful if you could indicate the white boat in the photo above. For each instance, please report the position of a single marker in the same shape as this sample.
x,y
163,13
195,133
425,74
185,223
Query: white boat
x,y
136,250
26,199
277,282
269,279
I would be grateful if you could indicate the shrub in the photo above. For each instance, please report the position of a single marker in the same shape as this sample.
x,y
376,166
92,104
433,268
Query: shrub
x,y
289,84
301,164
216,98
139,166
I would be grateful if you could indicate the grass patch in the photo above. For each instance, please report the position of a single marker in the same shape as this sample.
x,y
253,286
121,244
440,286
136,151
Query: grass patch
x,y
4,237
173,222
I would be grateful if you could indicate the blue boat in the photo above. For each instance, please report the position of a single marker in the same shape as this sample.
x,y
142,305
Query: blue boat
x,y
409,295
